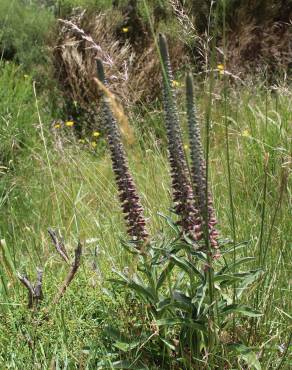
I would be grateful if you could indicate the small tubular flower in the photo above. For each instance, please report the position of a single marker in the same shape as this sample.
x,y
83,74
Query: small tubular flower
x,y
130,201
183,197
203,199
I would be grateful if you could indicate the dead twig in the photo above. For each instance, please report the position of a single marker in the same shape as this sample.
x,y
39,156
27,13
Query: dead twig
x,y
71,274
59,244
34,290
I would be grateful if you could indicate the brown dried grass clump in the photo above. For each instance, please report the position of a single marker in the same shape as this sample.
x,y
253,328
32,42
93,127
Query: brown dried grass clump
x,y
253,48
132,69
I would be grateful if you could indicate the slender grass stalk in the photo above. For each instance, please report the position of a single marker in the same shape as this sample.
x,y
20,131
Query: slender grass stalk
x,y
227,154
283,184
47,153
263,212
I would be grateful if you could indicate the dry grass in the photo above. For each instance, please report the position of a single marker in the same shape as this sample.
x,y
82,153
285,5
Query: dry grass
x,y
132,71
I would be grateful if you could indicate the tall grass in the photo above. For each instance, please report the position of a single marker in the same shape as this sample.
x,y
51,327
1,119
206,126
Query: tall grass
x,y
89,209
49,179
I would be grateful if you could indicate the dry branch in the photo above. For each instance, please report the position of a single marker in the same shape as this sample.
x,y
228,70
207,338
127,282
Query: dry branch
x,y
34,291
71,274
59,244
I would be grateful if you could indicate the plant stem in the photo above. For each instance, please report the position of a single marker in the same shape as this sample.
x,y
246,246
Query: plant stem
x,y
230,189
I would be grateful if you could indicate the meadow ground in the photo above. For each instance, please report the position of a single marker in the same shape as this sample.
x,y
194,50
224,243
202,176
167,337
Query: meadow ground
x,y
61,183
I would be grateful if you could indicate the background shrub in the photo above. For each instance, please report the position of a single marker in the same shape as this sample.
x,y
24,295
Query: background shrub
x,y
24,29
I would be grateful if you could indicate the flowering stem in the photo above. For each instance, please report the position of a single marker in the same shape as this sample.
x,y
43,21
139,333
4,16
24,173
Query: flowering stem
x,y
129,199
183,196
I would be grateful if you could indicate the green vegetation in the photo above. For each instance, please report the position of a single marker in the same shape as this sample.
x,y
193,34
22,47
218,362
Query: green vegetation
x,y
25,27
53,176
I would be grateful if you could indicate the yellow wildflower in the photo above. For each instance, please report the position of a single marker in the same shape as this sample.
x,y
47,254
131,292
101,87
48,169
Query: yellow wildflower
x,y
221,69
176,84
93,144
96,134
57,125
125,29
186,147
69,123
81,141
245,133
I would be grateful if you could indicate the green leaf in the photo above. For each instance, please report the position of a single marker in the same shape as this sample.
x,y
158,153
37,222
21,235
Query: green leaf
x,y
200,296
200,255
168,344
182,322
121,341
177,300
241,309
170,223
164,304
7,260
121,275
141,290
164,274
240,245
182,301
131,247
237,263
125,347
248,356
187,266
226,278
248,279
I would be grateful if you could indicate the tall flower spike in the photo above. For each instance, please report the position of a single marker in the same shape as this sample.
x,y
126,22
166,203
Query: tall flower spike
x,y
130,201
198,167
183,197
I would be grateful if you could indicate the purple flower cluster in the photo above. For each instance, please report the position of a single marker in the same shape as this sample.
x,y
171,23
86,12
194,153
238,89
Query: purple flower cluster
x,y
130,201
193,203
183,196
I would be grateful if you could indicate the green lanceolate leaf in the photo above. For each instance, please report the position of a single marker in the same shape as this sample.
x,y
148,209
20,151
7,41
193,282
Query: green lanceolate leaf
x,y
168,344
164,304
164,274
125,347
240,245
187,266
241,309
239,262
140,289
200,296
143,291
170,223
183,302
226,278
178,300
131,247
200,255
